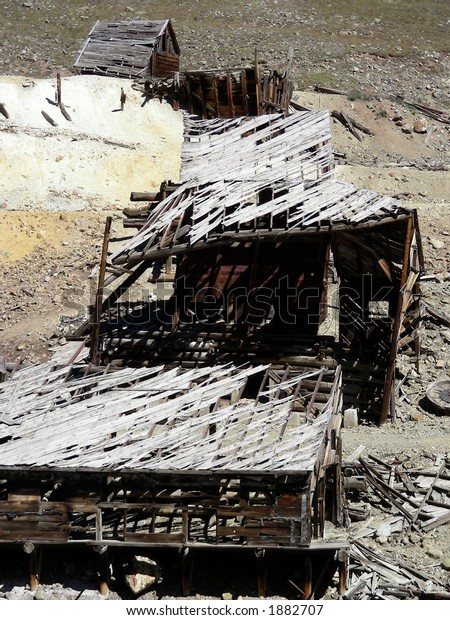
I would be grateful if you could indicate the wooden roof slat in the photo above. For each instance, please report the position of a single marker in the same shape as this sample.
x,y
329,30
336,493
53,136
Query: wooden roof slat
x,y
122,48
228,162
155,419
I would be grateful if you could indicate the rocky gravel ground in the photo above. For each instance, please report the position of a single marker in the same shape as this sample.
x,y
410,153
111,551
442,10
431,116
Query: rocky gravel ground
x,y
381,47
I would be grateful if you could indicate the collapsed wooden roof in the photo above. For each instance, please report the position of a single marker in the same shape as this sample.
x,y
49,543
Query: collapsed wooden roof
x,y
267,177
122,48
270,180
158,419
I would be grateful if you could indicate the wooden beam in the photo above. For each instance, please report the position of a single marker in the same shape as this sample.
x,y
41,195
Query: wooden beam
x,y
187,568
230,95
244,91
32,553
397,326
103,569
94,355
114,296
261,572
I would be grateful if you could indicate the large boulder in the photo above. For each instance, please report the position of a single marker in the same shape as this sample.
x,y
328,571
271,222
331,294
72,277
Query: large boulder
x,y
141,574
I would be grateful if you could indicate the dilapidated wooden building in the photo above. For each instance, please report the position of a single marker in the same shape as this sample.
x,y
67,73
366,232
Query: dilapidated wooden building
x,y
130,49
147,458
276,261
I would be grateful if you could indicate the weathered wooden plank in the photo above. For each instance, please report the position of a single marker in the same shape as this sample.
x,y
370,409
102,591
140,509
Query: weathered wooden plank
x,y
138,538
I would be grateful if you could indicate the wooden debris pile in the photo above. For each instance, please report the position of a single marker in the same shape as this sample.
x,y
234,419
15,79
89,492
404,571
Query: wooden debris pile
x,y
417,500
374,576
422,496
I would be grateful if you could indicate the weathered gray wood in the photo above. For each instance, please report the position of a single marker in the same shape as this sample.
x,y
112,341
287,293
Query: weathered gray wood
x,y
180,406
233,161
4,111
49,119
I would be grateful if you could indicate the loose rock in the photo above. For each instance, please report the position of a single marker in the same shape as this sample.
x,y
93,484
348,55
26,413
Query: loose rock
x,y
420,125
446,563
141,574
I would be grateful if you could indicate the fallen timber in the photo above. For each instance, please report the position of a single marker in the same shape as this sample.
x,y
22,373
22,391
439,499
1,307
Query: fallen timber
x,y
414,499
377,577
423,498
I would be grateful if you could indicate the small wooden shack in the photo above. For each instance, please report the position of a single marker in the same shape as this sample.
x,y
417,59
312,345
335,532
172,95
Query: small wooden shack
x,y
130,49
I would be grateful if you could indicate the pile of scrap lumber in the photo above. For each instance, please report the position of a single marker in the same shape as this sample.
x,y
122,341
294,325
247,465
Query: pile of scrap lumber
x,y
422,496
418,499
374,576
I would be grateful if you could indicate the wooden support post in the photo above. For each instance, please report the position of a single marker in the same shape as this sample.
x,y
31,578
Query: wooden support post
x,y
99,525
202,92
230,95
216,96
287,81
343,559
244,91
397,326
323,304
307,578
261,571
339,487
187,567
190,104
94,355
251,287
406,251
58,90
257,86
185,525
103,569
305,519
32,553
176,91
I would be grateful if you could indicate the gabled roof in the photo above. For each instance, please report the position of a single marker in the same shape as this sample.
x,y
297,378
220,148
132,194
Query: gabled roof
x,y
122,48
268,177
